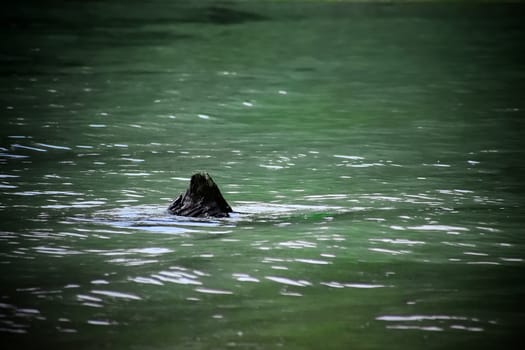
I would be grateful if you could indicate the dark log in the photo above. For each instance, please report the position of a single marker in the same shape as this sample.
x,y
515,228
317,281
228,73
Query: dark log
x,y
202,199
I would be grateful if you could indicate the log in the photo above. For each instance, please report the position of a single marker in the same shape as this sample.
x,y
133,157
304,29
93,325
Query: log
x,y
202,199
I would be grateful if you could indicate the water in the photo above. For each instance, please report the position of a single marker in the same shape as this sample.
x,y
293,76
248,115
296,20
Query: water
x,y
375,150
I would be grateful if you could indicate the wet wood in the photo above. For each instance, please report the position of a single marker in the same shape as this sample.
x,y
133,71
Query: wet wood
x,y
202,199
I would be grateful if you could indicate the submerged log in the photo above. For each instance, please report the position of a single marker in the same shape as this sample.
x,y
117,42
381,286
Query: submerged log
x,y
202,199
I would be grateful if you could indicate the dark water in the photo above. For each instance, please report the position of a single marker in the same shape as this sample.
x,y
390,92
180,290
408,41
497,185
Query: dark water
x,y
377,149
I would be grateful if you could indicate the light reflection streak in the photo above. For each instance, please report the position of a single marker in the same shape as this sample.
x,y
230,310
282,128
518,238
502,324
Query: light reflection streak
x,y
66,330
298,244
390,251
325,197
84,297
382,198
117,294
23,315
4,176
483,263
288,281
14,156
55,251
178,278
146,280
133,262
438,228
464,328
475,253
512,259
313,261
75,204
400,318
101,322
99,282
213,291
426,318
51,193
348,157
8,186
334,284
422,328
16,145
397,241
153,251
53,146
242,277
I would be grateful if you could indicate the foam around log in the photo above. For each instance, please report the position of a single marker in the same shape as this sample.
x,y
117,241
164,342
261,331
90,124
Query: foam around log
x,y
202,199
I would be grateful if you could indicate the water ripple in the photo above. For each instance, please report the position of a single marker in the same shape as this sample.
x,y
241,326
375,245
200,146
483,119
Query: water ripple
x,y
146,280
243,277
117,294
421,322
288,281
313,261
446,228
213,291
101,322
53,146
334,284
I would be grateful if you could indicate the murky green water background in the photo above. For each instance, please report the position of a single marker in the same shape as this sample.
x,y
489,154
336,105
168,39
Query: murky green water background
x,y
377,149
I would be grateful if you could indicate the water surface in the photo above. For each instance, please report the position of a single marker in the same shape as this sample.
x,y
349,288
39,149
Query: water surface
x,y
375,150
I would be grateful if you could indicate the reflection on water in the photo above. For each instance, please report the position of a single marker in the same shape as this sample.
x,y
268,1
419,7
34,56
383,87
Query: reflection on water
x,y
422,322
371,153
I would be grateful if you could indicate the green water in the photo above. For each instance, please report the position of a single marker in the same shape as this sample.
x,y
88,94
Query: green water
x,y
376,149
